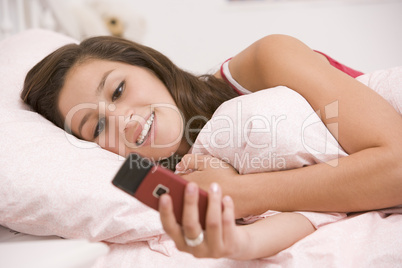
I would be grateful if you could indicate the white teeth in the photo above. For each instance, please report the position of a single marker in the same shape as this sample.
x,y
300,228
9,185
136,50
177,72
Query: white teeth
x,y
145,130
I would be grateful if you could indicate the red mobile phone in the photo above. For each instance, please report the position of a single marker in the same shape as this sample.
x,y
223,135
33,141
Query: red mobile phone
x,y
146,181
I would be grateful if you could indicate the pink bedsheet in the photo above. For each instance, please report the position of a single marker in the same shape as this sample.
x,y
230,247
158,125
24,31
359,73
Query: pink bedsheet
x,y
370,239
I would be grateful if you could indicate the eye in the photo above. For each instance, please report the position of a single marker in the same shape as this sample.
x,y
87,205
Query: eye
x,y
99,127
119,90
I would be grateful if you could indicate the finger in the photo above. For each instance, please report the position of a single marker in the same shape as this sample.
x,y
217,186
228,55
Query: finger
x,y
228,221
183,172
214,218
192,162
190,220
169,223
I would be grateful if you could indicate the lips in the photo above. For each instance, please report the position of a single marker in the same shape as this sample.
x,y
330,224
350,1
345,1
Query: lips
x,y
142,134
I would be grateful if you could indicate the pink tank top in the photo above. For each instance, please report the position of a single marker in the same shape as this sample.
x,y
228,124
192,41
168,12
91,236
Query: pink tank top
x,y
347,70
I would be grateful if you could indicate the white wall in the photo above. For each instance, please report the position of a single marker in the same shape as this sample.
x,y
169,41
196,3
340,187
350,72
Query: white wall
x,y
199,34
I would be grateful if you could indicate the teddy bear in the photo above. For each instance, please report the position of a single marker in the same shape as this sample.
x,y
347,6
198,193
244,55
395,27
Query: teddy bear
x,y
81,19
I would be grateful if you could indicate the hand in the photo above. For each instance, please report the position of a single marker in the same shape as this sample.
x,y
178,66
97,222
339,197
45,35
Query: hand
x,y
205,169
222,237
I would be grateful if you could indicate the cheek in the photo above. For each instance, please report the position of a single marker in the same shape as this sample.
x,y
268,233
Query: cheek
x,y
172,126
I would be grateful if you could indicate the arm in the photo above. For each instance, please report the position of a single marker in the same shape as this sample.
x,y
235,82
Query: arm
x,y
263,238
271,235
368,128
283,60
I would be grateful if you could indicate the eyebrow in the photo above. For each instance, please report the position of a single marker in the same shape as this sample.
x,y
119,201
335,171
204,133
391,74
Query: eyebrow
x,y
102,82
99,90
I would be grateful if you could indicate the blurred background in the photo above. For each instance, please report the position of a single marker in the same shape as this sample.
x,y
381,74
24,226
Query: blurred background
x,y
198,35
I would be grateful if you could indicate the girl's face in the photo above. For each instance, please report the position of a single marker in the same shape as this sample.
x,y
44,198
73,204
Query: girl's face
x,y
123,108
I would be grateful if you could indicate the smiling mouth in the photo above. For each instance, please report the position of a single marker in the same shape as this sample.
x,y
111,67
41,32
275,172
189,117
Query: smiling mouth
x,y
145,131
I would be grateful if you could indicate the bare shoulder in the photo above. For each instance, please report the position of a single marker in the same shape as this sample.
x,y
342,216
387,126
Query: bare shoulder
x,y
255,66
284,60
267,62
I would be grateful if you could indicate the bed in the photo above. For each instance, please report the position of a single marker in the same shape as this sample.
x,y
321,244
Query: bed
x,y
53,186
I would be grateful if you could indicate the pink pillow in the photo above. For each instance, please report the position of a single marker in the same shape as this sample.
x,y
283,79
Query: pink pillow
x,y
51,183
269,130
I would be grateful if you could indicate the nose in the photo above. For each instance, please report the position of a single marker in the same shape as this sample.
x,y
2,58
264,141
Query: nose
x,y
120,118
128,122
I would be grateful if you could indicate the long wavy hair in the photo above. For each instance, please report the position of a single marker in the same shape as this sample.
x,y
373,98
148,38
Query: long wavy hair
x,y
197,97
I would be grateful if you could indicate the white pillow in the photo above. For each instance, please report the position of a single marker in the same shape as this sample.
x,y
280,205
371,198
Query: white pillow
x,y
269,130
48,184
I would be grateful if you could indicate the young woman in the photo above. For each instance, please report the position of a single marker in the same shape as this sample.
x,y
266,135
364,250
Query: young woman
x,y
130,98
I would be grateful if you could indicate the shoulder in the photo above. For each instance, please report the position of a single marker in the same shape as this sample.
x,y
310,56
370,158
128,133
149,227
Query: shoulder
x,y
268,61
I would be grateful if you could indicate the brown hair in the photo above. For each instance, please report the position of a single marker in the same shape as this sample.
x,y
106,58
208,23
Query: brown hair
x,y
196,96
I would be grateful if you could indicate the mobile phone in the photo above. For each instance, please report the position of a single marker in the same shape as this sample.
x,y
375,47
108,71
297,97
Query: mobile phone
x,y
147,181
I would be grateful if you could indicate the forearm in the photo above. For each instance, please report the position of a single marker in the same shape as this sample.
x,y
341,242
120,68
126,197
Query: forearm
x,y
367,180
271,235
368,128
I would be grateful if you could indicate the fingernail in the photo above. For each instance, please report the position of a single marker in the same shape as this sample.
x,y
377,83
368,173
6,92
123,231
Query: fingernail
x,y
191,187
163,201
179,167
227,199
227,202
214,187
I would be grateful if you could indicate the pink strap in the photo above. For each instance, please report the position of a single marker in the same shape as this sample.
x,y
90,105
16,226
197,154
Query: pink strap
x,y
347,70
